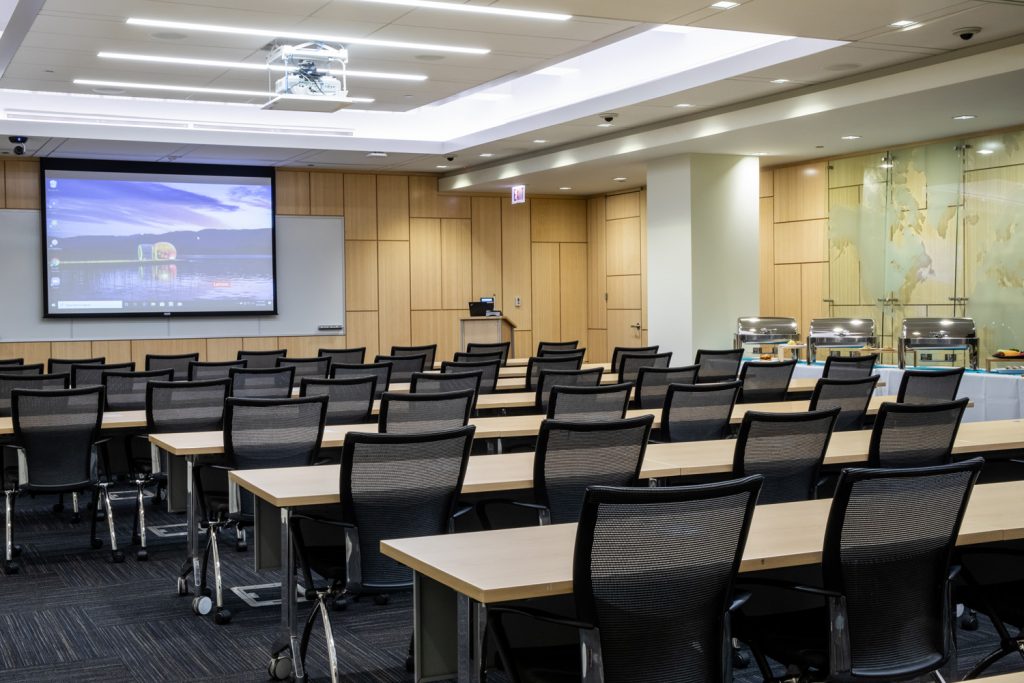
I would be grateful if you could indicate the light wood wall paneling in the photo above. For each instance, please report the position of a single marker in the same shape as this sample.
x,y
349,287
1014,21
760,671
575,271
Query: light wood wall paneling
x,y
393,293
425,263
32,352
332,341
360,275
456,262
425,202
572,278
437,327
223,348
392,207
306,347
813,289
801,192
360,206
622,206
801,242
643,263
141,347
767,185
261,343
597,346
516,276
546,306
558,220
21,179
624,246
624,291
767,240
487,249
292,193
524,343
597,263
326,194
3,194
788,288
71,349
117,351
363,331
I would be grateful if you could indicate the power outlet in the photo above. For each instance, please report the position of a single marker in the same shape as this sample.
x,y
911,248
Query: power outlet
x,y
519,301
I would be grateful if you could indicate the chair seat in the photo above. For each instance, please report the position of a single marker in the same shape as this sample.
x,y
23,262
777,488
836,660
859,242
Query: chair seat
x,y
551,664
799,637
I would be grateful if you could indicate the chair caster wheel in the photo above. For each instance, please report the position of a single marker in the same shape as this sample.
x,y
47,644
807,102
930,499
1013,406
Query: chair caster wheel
x,y
280,668
76,518
182,587
16,550
96,544
202,605
309,594
117,556
222,617
58,508
969,621
141,555
11,568
340,604
241,547
381,600
740,659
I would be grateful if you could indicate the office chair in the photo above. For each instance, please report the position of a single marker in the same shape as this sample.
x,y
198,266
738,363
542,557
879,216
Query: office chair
x,y
476,357
849,367
202,372
851,396
489,371
548,379
431,412
381,372
402,367
474,348
630,364
91,374
349,399
349,356
915,435
652,384
307,367
60,365
633,351
929,386
33,369
428,350
10,382
126,389
589,404
698,412
536,365
765,381
432,382
556,346
256,360
718,366
262,382
12,361
178,363
563,353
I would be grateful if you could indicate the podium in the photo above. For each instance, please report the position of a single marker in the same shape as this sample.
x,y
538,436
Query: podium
x,y
486,330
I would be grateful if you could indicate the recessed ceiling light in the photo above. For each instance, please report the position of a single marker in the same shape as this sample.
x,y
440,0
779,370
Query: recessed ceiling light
x,y
487,155
779,81
606,124
209,91
964,117
441,166
911,27
379,155
620,179
565,188
251,66
986,152
539,142
851,137
476,9
724,4
298,35
684,105
903,23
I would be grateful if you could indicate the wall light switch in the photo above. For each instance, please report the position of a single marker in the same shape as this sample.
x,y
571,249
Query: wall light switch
x,y
519,301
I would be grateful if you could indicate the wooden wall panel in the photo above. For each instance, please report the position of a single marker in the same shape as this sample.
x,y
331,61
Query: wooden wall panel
x,y
260,343
117,351
486,256
393,293
306,347
621,330
801,192
813,288
31,352
801,242
292,188
71,349
326,194
437,327
597,264
425,263
360,275
624,246
788,286
360,207
624,291
572,277
425,202
225,348
21,179
456,263
524,346
392,207
643,264
558,220
516,276
597,346
767,185
363,332
767,262
546,318
3,194
141,347
622,206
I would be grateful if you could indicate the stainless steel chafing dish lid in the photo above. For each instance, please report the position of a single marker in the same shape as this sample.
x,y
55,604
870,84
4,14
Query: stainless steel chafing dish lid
x,y
939,332
842,329
763,329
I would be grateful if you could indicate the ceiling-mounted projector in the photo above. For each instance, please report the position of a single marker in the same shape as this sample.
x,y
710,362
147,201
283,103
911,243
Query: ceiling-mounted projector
x,y
310,81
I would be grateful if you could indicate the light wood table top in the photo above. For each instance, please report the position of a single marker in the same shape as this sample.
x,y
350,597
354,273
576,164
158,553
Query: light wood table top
x,y
1004,678
532,562
520,370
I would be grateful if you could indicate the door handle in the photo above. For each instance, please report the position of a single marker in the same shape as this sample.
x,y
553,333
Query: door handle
x,y
635,326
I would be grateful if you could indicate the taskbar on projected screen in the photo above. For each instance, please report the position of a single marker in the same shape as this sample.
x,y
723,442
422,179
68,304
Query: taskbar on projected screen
x,y
118,308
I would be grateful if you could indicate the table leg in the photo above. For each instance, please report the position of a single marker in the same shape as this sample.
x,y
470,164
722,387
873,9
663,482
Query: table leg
x,y
435,633
472,628
288,638
191,527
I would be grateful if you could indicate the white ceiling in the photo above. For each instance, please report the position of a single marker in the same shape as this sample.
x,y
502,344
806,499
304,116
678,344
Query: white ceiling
x,y
67,34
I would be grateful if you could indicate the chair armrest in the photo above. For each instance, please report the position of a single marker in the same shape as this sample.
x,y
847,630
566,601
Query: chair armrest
x,y
537,614
954,571
739,599
788,585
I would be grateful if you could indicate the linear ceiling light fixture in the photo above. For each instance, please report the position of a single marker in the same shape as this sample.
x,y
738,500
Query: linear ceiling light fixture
x,y
300,35
250,66
476,9
212,91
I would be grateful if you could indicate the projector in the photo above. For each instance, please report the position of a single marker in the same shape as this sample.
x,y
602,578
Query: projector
x,y
309,83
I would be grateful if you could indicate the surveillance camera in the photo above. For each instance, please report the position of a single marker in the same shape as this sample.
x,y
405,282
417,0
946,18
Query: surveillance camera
x,y
609,117
967,32
450,157
19,144
19,150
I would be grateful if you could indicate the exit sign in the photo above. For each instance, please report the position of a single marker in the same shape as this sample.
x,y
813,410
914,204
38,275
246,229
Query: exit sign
x,y
519,194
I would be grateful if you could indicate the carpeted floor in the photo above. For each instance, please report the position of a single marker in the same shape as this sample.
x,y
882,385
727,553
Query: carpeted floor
x,y
71,615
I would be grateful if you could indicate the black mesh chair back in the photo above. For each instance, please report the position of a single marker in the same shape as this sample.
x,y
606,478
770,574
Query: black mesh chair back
x,y
660,605
718,365
563,353
427,350
652,384
418,413
888,543
915,435
255,360
203,371
12,361
349,399
589,404
307,367
127,390
850,367
10,382
186,406
556,346
479,356
399,486
381,372
765,381
349,356
574,455
698,412
91,375
433,382
632,350
929,386
261,433
33,369
178,363
474,348
548,379
59,365
262,382
402,367
630,364
851,396
489,371
536,365
786,449
57,428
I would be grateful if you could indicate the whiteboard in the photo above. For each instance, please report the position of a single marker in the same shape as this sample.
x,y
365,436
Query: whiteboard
x,y
310,289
